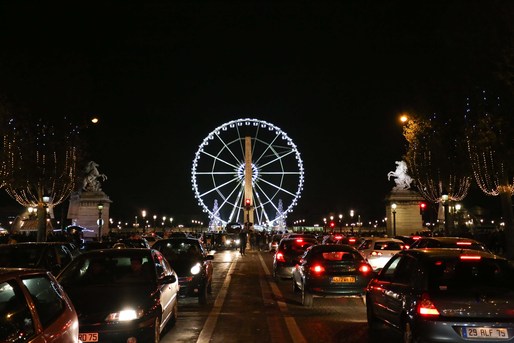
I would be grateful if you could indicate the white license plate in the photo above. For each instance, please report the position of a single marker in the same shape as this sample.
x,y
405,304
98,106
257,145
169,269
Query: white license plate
x,y
88,337
343,279
478,332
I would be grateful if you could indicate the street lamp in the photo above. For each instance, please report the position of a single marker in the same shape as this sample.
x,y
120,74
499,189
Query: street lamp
x,y
154,219
444,199
100,220
143,214
393,206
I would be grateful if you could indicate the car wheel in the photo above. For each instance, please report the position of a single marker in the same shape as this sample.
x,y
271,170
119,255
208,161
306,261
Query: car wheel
x,y
306,297
370,315
202,295
408,336
156,332
174,315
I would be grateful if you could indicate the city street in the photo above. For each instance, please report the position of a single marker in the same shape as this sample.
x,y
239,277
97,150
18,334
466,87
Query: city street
x,y
247,305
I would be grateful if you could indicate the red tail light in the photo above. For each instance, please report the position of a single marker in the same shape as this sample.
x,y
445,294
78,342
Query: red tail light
x,y
280,256
317,269
365,268
299,240
406,247
464,243
426,307
352,240
338,237
470,257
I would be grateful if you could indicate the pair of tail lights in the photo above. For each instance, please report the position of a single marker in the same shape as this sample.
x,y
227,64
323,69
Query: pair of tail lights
x,y
318,269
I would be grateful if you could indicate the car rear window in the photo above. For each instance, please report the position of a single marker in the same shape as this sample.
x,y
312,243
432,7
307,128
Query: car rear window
x,y
338,256
459,275
388,245
296,245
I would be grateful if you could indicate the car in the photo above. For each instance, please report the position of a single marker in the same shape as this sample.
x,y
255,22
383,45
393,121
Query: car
x,y
288,255
444,295
378,250
331,270
122,295
192,263
139,242
341,239
35,308
92,245
408,240
51,256
151,238
449,242
273,244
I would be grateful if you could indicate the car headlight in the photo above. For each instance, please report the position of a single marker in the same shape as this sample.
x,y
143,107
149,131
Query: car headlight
x,y
228,241
238,241
196,269
124,315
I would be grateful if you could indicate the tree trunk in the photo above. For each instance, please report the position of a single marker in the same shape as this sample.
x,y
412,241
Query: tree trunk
x,y
41,222
508,217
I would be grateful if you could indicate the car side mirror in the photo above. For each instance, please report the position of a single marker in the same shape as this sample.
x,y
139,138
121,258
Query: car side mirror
x,y
168,279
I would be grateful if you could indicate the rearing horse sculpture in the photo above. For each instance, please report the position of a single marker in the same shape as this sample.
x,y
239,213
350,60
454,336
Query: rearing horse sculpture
x,y
91,181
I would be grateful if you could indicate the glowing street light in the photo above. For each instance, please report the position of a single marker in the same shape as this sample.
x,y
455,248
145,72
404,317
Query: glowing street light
x,y
393,206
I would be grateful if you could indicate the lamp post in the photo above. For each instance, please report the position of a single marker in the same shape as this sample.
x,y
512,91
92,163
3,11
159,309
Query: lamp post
x,y
143,214
100,220
393,206
444,199
41,218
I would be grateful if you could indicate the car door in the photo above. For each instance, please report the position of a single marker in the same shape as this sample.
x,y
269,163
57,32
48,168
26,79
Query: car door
x,y
168,291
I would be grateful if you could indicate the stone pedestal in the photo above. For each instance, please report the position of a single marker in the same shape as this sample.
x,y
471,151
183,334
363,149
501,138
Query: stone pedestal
x,y
408,218
83,211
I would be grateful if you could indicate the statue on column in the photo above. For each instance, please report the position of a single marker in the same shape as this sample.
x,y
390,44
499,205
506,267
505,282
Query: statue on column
x,y
402,180
92,179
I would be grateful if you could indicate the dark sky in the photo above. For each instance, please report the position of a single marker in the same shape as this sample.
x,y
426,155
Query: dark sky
x,y
162,75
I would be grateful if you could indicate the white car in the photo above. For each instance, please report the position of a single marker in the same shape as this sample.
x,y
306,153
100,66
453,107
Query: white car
x,y
378,250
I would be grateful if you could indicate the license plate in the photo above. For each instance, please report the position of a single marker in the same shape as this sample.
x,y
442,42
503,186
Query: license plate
x,y
88,337
343,279
478,332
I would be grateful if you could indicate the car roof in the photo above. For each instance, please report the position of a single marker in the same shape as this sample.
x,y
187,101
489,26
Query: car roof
x,y
9,273
434,253
333,247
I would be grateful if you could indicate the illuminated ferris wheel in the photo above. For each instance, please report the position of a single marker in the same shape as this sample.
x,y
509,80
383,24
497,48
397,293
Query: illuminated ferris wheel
x,y
247,158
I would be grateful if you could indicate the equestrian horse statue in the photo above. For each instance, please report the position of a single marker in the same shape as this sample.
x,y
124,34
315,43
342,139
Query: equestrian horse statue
x,y
92,179
402,180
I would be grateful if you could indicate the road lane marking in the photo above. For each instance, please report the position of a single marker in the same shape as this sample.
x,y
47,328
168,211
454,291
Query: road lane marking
x,y
292,326
210,323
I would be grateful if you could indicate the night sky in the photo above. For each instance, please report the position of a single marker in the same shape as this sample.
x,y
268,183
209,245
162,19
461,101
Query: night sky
x,y
334,76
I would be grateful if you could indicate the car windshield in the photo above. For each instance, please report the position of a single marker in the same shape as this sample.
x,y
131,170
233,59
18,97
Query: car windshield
x,y
461,275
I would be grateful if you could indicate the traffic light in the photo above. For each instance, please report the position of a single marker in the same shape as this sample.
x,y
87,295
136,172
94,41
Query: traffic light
x,y
422,207
332,224
247,203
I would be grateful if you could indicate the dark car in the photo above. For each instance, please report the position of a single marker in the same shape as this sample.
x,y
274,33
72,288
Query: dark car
x,y
134,242
331,270
408,240
35,308
288,255
449,242
444,295
122,295
192,263
51,256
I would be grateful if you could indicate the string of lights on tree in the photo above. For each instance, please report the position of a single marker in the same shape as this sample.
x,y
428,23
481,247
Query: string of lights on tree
x,y
486,141
40,159
435,158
